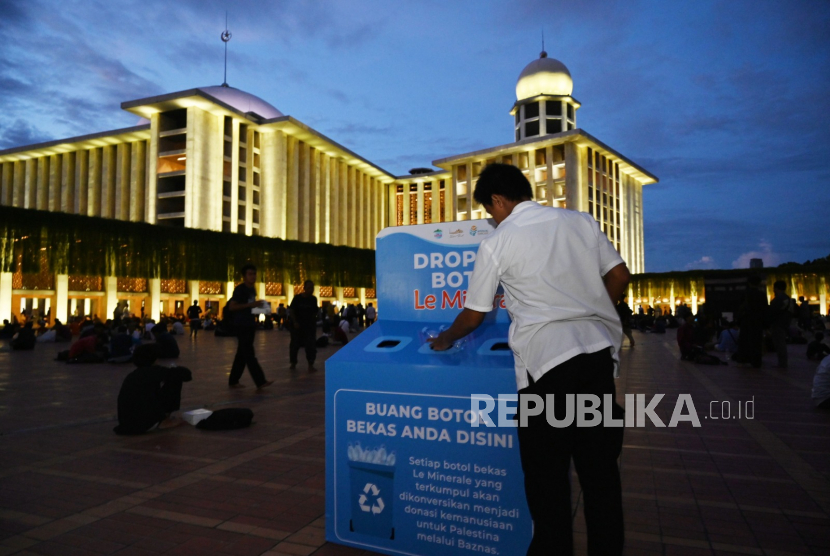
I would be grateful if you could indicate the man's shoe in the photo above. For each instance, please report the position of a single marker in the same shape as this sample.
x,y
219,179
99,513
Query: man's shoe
x,y
312,369
237,385
293,366
265,384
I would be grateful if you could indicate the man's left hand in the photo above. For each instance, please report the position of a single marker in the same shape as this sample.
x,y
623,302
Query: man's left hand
x,y
440,342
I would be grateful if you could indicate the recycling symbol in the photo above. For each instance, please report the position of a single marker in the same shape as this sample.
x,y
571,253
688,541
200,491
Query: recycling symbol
x,y
363,501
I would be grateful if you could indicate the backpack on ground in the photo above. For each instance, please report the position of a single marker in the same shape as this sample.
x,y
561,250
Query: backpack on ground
x,y
227,419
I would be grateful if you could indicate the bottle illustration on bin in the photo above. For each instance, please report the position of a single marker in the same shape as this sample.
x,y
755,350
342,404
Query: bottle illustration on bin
x,y
372,476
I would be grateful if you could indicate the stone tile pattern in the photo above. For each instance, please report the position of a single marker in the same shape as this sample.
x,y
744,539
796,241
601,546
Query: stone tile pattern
x,y
69,486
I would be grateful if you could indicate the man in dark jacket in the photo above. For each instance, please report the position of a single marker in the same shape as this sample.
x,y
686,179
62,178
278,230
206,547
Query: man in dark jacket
x,y
781,311
751,316
150,394
303,316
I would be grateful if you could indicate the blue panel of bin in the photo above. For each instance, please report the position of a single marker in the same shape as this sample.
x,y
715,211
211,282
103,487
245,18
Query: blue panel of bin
x,y
407,472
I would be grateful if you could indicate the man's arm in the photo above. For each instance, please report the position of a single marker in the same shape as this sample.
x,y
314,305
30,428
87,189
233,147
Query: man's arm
x,y
466,321
616,281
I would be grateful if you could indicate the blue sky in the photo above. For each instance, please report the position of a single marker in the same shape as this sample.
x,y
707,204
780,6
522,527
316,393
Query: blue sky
x,y
728,103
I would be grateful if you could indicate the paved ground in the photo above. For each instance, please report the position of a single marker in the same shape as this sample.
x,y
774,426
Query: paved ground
x,y
69,486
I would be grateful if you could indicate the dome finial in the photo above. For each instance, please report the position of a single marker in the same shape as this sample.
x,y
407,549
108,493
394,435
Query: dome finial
x,y
543,54
226,36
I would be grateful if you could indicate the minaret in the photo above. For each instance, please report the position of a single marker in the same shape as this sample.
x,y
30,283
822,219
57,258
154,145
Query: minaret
x,y
544,105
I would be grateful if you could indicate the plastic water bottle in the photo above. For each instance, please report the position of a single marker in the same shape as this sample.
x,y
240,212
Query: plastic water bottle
x,y
351,451
390,459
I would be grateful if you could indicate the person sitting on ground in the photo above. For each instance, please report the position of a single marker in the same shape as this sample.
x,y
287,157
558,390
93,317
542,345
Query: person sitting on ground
x,y
121,346
659,325
62,332
178,328
728,339
166,346
686,341
88,349
8,330
817,349
150,394
24,339
340,332
821,384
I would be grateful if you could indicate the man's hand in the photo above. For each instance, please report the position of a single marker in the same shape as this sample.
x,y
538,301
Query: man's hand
x,y
466,321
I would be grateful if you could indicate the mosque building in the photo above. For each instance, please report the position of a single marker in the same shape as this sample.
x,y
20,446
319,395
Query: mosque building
x,y
220,159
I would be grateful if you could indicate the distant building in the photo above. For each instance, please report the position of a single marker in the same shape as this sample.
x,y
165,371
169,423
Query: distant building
x,y
756,263
217,158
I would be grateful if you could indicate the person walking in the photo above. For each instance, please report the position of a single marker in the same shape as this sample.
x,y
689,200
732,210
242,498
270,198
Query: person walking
x,y
240,305
303,317
561,277
195,321
371,315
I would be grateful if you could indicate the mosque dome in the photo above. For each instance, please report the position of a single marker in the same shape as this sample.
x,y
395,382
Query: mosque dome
x,y
544,76
242,101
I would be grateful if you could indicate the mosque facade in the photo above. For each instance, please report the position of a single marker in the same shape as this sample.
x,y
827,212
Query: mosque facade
x,y
218,158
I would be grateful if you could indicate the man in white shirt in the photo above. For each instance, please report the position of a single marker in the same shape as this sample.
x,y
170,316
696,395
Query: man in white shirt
x,y
560,276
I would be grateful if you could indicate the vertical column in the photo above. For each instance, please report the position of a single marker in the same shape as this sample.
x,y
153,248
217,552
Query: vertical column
x,y
436,200
260,294
152,178
420,197
574,168
303,187
361,293
6,295
42,195
392,203
343,220
94,183
406,204
822,297
314,207
110,296
338,292
138,181
61,297
81,182
30,195
334,208
67,200
73,306
193,290
360,221
8,184
108,175
154,285
228,290
53,201
122,182
19,185
350,202
325,200
671,297
292,191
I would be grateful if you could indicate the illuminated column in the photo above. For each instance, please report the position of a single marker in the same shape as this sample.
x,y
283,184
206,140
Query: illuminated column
x,y
289,292
30,191
108,175
122,182
392,201
631,296
573,176
304,187
53,201
61,296
138,180
193,287
338,292
7,185
41,201
82,163
228,290
671,297
73,306
407,204
87,306
292,190
152,164
325,200
67,191
420,201
19,186
822,297
314,197
154,285
334,208
5,295
111,296
361,294
94,183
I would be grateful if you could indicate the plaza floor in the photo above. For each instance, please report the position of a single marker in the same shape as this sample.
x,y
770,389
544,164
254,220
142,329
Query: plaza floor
x,y
69,486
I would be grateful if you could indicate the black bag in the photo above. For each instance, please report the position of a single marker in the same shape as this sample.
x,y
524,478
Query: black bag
x,y
227,419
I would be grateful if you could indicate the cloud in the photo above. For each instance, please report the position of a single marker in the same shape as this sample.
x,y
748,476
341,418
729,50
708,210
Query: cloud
x,y
705,262
764,253
20,133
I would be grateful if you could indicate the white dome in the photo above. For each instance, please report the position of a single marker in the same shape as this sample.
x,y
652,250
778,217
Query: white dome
x,y
242,101
544,76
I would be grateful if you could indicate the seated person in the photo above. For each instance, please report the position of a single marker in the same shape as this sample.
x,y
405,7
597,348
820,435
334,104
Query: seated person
x,y
340,331
166,346
25,338
728,339
150,394
659,325
89,349
121,345
686,341
817,349
8,330
178,328
62,332
821,384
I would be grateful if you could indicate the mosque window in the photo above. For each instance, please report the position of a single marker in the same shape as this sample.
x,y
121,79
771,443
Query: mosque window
x,y
590,178
173,119
590,193
240,229
256,160
243,155
169,205
226,226
256,178
226,209
570,125
517,117
226,189
476,169
241,191
256,197
243,174
461,173
228,149
228,126
427,205
256,140
508,159
518,135
554,125
523,161
532,128
399,207
240,212
531,110
243,134
571,111
255,216
553,108
591,208
590,158
540,157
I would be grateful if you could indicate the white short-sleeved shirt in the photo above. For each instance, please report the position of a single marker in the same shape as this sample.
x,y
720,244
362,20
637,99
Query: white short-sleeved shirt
x,y
550,263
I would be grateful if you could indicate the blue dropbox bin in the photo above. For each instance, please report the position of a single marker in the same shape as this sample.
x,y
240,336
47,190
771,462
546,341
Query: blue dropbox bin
x,y
406,472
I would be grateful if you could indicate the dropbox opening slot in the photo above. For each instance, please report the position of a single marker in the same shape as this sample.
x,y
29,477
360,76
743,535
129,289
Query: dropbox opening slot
x,y
495,346
388,344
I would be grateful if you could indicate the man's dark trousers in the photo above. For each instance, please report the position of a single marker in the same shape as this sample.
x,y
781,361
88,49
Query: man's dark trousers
x,y
303,337
245,356
546,457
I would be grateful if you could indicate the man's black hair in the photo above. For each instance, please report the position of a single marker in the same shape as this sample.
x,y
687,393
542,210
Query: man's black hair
x,y
780,285
246,267
145,355
502,179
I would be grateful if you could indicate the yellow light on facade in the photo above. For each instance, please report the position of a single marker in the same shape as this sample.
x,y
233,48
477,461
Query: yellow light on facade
x,y
702,300
813,298
665,300
182,158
